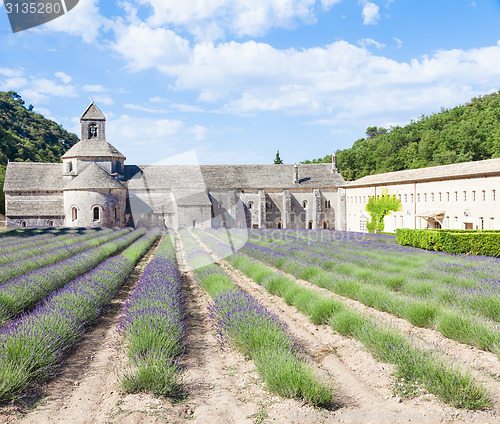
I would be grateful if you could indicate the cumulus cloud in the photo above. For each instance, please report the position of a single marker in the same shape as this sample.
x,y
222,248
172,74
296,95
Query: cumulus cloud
x,y
65,78
211,19
370,13
145,47
84,20
35,90
340,79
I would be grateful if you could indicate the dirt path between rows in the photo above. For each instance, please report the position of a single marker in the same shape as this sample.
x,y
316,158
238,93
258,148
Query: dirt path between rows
x,y
365,384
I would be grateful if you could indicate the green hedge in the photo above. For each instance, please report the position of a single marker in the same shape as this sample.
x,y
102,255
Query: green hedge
x,y
471,242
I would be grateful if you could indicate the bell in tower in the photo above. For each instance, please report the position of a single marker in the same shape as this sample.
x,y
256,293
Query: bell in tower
x,y
93,123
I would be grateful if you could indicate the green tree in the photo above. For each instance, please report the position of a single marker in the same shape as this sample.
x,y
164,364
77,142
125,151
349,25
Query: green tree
x,y
379,207
277,159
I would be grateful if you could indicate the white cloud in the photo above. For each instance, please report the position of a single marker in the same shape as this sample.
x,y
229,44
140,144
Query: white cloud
x,y
368,42
65,78
35,90
131,135
94,88
9,72
211,19
399,42
132,106
341,79
157,99
84,20
103,99
144,47
370,13
186,108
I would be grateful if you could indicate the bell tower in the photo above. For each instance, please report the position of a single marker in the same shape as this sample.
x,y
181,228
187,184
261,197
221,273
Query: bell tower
x,y
93,123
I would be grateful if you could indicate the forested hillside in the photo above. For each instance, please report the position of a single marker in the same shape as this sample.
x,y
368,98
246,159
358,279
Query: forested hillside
x,y
465,133
26,136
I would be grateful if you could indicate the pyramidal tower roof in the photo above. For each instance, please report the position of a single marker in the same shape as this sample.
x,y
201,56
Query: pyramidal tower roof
x,y
94,178
93,113
93,142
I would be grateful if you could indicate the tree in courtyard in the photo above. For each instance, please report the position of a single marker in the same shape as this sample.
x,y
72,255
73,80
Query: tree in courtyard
x,y
379,207
277,159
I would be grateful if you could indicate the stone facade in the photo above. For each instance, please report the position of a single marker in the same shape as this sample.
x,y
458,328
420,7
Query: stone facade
x,y
93,187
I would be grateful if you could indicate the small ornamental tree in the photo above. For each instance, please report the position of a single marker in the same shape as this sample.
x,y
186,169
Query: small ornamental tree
x,y
277,159
380,207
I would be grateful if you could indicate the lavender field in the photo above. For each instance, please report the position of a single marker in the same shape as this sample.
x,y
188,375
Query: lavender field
x,y
429,322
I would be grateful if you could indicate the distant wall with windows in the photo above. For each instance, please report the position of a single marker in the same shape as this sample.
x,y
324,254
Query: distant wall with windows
x,y
461,203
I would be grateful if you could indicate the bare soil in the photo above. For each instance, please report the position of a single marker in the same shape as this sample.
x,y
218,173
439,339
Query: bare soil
x,y
222,386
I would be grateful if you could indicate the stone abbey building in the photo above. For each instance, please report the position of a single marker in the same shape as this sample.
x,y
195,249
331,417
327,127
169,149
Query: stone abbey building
x,y
94,187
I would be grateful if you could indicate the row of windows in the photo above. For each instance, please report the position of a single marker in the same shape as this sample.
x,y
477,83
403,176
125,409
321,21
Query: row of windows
x,y
269,205
432,197
96,213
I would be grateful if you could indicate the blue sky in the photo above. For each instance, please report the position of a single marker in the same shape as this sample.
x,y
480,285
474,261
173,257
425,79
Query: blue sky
x,y
236,80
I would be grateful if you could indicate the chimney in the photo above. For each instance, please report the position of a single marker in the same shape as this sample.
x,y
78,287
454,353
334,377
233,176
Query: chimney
x,y
295,174
334,163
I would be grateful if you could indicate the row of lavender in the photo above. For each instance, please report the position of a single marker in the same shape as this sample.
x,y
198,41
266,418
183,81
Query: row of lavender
x,y
416,367
33,347
459,320
154,326
10,244
78,244
256,332
24,292
436,280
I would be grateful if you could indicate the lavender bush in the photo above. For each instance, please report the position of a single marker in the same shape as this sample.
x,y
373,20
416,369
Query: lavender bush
x,y
154,326
33,347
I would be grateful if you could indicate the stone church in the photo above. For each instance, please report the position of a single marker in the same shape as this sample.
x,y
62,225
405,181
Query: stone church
x,y
94,187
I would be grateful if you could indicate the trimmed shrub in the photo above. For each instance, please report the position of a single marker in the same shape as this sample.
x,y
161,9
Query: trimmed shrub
x,y
469,242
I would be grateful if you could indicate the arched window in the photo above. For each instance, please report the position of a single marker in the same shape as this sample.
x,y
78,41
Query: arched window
x,y
117,213
250,205
96,213
280,225
194,223
23,224
74,213
50,223
92,131
310,225
325,225
304,204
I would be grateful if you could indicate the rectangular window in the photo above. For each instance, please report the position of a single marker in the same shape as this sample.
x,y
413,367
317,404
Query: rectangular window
x,y
465,196
456,196
483,195
432,197
473,195
481,223
447,196
440,198
493,195
412,198
406,198
418,197
425,197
